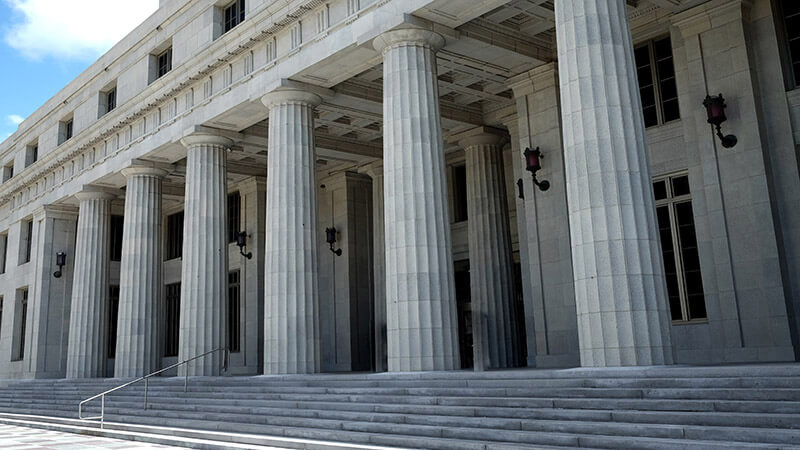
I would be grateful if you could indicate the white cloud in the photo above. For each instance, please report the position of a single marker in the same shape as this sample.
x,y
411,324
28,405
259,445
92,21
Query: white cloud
x,y
73,29
15,119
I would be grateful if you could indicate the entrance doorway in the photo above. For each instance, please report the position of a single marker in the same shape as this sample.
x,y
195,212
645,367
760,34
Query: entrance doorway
x,y
463,300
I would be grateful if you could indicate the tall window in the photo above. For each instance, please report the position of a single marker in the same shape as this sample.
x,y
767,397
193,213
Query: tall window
x,y
20,327
31,154
111,100
233,15
1,315
68,130
175,235
8,171
790,10
172,318
117,223
164,62
27,240
459,193
234,216
679,248
3,252
656,72
113,320
234,302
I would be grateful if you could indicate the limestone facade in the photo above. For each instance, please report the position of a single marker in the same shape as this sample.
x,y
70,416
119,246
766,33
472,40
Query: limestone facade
x,y
401,125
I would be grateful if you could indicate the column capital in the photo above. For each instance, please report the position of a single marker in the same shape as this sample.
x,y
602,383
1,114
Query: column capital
x,y
536,79
56,211
94,194
479,136
291,95
206,138
408,36
133,171
374,169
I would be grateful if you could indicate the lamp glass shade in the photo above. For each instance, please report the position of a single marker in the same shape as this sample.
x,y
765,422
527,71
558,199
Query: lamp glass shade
x,y
241,239
715,109
330,235
61,259
533,160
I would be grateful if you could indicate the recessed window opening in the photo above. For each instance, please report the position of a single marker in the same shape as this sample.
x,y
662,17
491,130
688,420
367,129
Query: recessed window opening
x,y
233,15
657,87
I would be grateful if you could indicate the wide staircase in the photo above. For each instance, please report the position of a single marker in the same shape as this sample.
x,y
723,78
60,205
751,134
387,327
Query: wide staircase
x,y
730,407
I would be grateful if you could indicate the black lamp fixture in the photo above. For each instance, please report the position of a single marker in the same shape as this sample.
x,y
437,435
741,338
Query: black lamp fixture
x,y
330,238
241,242
521,189
533,162
61,261
715,109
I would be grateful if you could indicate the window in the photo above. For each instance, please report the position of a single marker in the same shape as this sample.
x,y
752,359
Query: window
x,y
25,242
656,72
20,324
108,100
8,171
111,100
233,15
234,216
117,224
297,34
164,62
272,49
3,252
172,318
65,130
175,236
1,315
790,11
353,6
459,193
113,320
31,154
234,342
679,248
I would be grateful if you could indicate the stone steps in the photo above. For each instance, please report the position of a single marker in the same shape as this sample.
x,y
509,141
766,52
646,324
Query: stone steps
x,y
608,408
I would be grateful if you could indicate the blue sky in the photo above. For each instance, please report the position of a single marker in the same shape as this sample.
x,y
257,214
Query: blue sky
x,y
44,44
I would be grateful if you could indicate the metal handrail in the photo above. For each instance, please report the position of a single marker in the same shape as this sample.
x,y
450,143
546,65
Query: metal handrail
x,y
146,379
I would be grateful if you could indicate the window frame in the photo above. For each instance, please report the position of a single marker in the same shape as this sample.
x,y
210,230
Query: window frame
x,y
164,67
657,80
172,314
670,202
20,324
174,238
116,230
234,216
237,9
234,311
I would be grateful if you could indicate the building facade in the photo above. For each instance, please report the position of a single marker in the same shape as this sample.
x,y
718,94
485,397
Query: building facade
x,y
343,185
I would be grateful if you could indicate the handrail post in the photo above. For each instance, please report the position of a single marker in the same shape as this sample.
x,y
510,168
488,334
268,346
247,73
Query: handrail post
x,y
186,378
102,410
146,382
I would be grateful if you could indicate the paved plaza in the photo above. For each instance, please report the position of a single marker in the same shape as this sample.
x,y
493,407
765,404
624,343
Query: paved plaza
x,y
13,437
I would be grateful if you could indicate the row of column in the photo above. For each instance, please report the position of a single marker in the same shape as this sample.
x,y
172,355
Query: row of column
x,y
618,274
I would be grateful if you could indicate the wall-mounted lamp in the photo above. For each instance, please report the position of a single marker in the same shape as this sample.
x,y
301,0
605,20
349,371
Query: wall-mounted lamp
x,y
330,238
715,109
241,242
521,189
61,261
533,162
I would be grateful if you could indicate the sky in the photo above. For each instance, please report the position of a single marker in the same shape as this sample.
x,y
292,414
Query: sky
x,y
45,44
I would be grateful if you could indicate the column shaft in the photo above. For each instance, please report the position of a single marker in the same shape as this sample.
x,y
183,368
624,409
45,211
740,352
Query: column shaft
x,y
86,353
489,254
619,277
422,330
140,276
204,272
291,298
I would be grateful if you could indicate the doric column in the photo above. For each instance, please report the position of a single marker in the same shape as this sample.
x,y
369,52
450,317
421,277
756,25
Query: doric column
x,y
422,330
291,298
379,265
140,275
489,251
619,277
86,353
204,272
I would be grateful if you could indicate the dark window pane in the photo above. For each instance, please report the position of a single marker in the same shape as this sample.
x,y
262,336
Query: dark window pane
x,y
691,260
234,216
117,223
645,76
650,116
642,56
113,313
23,324
172,318
790,7
234,318
666,69
671,110
669,90
459,193
648,97
663,48
660,189
175,236
680,186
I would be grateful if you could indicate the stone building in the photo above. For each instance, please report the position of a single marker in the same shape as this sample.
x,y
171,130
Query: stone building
x,y
370,157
